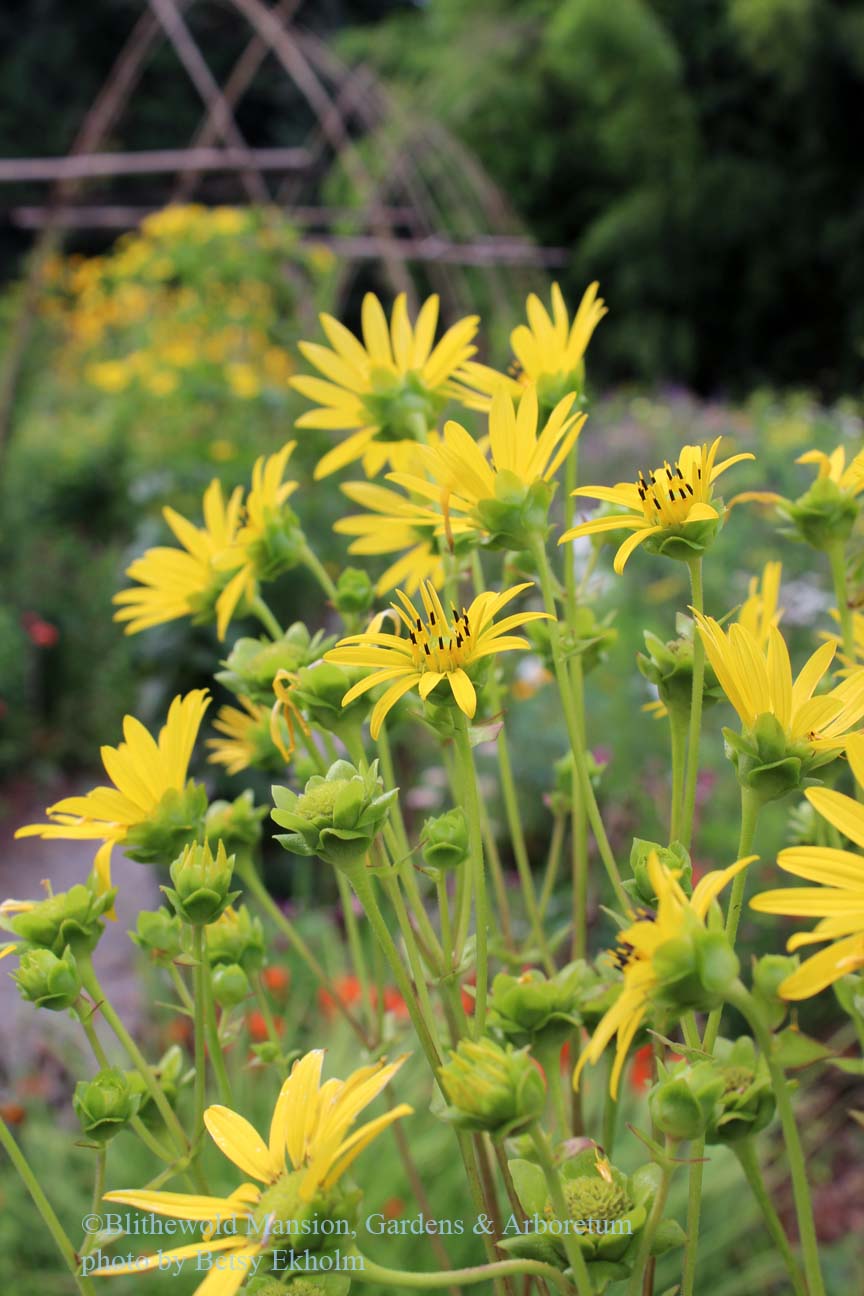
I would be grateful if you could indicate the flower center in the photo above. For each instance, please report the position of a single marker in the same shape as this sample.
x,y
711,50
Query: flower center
x,y
441,647
736,1078
669,493
318,802
588,1198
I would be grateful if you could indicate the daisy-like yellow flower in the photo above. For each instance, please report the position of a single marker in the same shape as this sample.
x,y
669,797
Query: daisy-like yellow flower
x,y
508,494
674,507
757,680
848,478
387,390
761,610
189,581
678,923
549,351
307,1151
435,650
838,901
394,524
144,772
247,738
267,530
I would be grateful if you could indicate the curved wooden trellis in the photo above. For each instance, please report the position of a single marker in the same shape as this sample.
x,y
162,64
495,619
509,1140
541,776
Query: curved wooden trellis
x,y
425,201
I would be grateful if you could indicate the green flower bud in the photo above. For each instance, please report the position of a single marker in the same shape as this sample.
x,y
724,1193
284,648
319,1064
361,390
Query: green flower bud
x,y
669,667
695,970
230,985
355,593
170,1073
588,638
237,824
253,664
336,817
236,937
528,1006
72,918
48,981
607,1210
106,1104
518,512
177,820
823,516
849,993
492,1088
767,763
202,883
160,933
560,799
746,1104
682,1101
769,972
281,547
444,840
318,692
675,857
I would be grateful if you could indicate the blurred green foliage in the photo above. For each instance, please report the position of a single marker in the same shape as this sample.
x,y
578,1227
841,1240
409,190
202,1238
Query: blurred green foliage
x,y
698,159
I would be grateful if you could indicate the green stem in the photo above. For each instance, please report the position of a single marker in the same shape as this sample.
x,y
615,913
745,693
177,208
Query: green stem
x,y
560,1211
355,945
745,1151
394,894
739,998
362,884
318,571
520,851
180,986
548,1054
678,743
562,675
214,1044
646,1237
372,1272
251,879
553,861
695,727
200,1088
837,559
579,826
471,797
444,920
52,1223
91,984
266,617
98,1193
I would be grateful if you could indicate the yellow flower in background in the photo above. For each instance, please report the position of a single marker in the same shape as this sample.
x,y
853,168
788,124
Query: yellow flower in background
x,y
678,918
387,391
549,351
838,901
243,380
506,495
849,663
437,649
247,739
188,581
309,1148
757,680
849,479
760,611
671,507
269,492
143,771
394,524
109,375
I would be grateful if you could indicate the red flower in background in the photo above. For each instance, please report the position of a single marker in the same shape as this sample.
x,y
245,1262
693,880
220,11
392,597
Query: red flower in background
x,y
349,993
257,1026
641,1069
277,980
41,633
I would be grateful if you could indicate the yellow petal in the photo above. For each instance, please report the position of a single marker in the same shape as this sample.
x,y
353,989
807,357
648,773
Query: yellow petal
x,y
240,1142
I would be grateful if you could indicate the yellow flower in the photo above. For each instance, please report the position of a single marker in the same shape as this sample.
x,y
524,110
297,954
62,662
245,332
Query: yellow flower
x,y
760,612
839,900
109,375
248,740
549,351
269,492
506,496
849,663
307,1151
386,391
243,380
678,918
757,680
437,649
394,524
849,479
189,581
262,540
143,770
673,505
